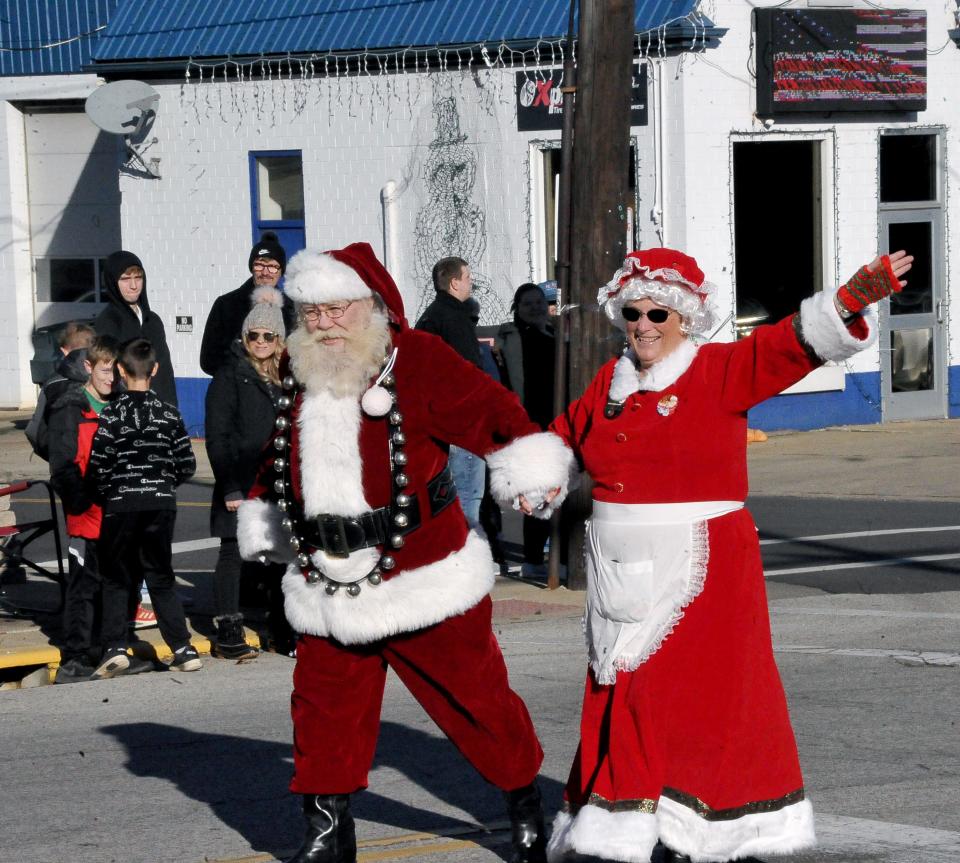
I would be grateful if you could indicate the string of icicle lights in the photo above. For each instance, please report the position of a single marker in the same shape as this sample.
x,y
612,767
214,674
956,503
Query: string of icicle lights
x,y
381,78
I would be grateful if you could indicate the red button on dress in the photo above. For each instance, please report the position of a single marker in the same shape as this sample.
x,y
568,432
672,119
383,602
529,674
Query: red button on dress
x,y
621,437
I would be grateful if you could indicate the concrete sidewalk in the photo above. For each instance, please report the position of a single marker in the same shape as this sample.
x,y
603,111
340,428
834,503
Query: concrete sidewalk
x,y
910,461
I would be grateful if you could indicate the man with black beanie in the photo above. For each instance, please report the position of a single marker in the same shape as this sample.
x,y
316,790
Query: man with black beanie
x,y
267,262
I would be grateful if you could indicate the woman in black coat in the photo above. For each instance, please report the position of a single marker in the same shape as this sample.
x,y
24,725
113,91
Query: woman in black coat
x,y
525,352
128,316
241,408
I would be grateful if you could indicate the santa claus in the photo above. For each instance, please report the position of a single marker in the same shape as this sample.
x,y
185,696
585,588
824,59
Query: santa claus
x,y
356,497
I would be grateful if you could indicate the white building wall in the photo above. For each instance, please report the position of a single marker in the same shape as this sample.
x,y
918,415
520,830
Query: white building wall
x,y
16,276
714,103
192,227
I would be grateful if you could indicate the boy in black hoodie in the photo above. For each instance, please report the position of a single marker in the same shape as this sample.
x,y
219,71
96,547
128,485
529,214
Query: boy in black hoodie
x,y
140,454
128,316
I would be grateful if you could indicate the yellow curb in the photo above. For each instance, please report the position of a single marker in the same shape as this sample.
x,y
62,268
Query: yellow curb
x,y
50,655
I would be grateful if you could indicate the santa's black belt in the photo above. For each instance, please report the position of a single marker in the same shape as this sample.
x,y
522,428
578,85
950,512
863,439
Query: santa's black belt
x,y
340,535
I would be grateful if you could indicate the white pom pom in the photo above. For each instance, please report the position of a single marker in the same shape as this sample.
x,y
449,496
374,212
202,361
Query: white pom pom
x,y
376,402
266,294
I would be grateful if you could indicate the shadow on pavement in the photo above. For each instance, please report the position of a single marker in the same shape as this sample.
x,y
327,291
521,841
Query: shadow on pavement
x,y
243,782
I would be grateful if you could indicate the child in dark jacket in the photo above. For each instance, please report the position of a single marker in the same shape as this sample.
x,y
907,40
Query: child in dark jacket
x,y
140,454
71,426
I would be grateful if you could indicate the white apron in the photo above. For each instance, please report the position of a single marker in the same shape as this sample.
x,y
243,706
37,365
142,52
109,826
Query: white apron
x,y
645,563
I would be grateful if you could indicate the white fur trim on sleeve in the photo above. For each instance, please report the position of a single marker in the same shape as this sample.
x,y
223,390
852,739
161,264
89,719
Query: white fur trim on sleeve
x,y
316,277
532,466
259,531
826,333
411,600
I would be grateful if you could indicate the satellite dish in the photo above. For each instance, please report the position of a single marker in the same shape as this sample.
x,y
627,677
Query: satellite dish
x,y
123,107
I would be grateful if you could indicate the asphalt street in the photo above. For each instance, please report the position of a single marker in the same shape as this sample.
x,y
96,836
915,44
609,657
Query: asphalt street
x,y
864,595
165,768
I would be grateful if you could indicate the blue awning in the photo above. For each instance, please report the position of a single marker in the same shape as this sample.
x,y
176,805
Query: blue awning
x,y
52,37
158,30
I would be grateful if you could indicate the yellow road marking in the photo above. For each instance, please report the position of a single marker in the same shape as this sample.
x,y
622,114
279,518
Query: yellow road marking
x,y
374,850
415,851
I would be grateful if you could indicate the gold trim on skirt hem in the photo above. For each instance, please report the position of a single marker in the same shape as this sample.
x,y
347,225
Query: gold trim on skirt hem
x,y
643,805
648,806
708,814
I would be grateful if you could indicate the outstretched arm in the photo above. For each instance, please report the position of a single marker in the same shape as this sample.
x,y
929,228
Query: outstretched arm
x,y
872,283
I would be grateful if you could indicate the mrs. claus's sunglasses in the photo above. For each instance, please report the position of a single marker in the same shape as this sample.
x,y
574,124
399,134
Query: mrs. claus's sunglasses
x,y
655,316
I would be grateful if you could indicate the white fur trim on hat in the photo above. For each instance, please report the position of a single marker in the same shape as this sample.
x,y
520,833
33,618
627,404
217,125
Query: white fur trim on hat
x,y
411,600
825,331
532,466
316,277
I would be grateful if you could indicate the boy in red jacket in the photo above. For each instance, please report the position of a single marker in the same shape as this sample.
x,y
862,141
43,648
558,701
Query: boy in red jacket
x,y
73,421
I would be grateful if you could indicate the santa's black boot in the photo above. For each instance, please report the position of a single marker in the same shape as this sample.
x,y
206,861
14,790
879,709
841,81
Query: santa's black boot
x,y
331,837
526,825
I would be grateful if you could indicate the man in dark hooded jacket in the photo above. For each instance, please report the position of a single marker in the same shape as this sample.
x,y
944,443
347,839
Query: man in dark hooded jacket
x,y
267,263
128,316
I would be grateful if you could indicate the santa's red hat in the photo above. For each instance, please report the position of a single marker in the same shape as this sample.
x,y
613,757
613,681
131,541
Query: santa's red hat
x,y
669,278
351,273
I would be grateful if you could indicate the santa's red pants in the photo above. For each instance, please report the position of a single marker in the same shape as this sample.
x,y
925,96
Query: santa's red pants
x,y
454,669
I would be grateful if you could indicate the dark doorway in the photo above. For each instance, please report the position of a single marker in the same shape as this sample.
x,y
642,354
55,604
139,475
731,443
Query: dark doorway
x,y
777,228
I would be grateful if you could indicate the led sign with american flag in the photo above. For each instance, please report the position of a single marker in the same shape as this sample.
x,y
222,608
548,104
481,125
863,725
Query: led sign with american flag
x,y
841,60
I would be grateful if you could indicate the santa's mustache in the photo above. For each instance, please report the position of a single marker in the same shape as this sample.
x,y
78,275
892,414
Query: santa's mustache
x,y
323,335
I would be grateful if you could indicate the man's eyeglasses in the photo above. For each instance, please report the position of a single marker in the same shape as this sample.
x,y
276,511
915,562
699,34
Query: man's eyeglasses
x,y
313,313
269,338
272,269
655,316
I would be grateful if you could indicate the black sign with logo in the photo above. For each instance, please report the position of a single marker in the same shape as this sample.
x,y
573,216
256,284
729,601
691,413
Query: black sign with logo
x,y
540,99
184,323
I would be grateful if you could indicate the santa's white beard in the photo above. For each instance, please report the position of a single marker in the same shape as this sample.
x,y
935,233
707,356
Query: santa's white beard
x,y
343,372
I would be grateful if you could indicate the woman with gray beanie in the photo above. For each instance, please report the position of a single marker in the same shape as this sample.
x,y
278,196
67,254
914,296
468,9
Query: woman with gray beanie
x,y
241,408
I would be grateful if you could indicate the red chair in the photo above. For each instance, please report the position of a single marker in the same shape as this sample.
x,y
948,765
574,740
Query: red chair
x,y
14,543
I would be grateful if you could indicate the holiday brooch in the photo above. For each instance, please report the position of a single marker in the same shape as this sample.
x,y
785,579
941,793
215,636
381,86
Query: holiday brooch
x,y
667,405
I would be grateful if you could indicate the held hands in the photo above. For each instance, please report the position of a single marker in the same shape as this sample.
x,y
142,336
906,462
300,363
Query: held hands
x,y
873,282
232,505
527,508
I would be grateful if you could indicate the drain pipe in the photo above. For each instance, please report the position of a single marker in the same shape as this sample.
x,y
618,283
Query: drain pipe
x,y
389,196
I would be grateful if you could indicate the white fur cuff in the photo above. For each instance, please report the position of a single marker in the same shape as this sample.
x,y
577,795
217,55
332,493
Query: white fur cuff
x,y
825,332
532,466
628,836
782,831
259,531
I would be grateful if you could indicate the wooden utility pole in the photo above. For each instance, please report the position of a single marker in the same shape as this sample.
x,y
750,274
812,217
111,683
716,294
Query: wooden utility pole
x,y
601,158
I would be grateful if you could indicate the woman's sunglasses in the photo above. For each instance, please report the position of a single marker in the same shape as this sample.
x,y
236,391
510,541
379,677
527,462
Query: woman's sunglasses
x,y
269,338
655,316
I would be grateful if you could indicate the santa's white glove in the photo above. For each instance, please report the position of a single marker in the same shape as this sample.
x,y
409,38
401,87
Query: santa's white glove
x,y
260,532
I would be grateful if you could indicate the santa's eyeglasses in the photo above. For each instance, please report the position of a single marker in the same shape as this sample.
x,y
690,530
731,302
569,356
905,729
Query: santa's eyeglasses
x,y
655,316
313,313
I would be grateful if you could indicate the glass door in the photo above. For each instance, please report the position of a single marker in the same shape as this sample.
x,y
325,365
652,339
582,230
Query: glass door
x,y
913,375
912,330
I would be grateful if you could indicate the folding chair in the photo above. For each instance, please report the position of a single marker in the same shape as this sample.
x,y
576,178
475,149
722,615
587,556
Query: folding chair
x,y
14,542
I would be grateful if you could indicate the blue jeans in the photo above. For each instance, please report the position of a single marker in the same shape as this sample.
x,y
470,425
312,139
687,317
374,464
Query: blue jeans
x,y
468,471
